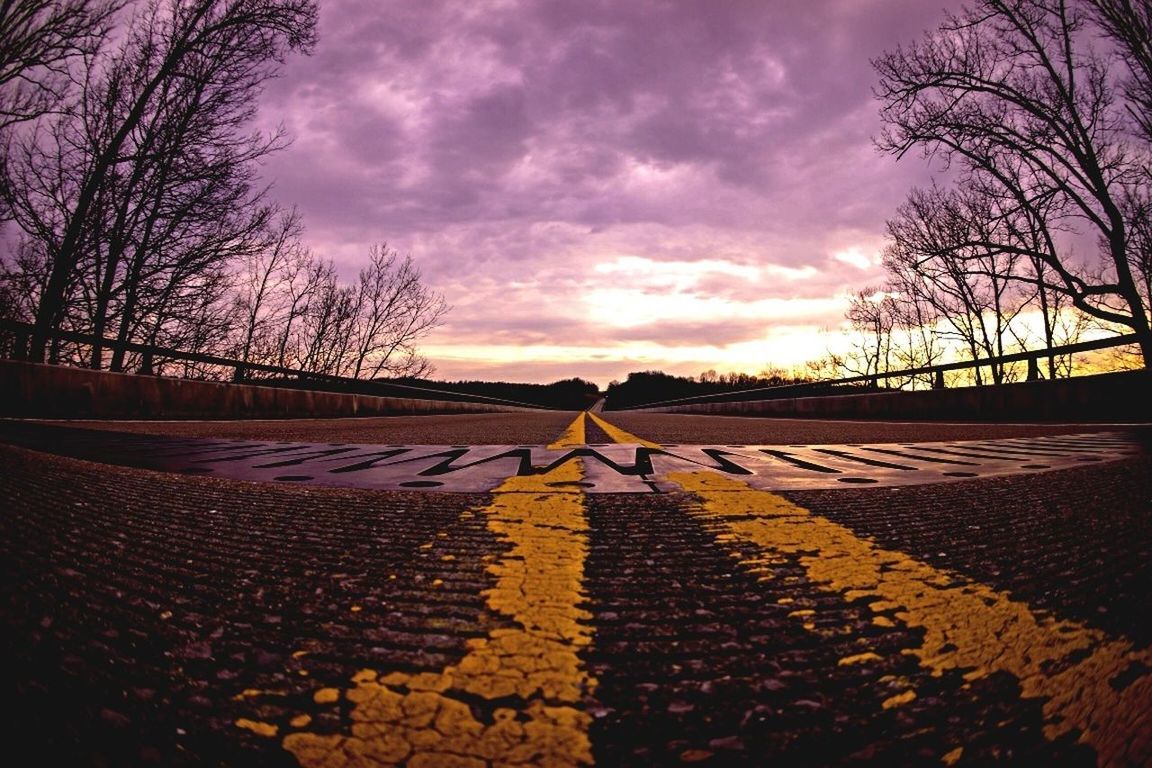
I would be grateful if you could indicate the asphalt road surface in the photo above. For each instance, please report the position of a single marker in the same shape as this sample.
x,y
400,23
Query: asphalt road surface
x,y
989,610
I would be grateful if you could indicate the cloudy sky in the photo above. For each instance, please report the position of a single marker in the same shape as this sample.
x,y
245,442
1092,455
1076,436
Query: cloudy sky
x,y
599,186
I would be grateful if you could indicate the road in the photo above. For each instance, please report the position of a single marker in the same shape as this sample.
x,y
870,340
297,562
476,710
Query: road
x,y
205,593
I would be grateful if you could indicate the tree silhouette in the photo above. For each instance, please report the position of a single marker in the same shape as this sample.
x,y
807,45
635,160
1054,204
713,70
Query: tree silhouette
x,y
1014,97
147,178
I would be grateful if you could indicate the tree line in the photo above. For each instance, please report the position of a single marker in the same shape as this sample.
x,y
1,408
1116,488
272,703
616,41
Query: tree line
x,y
644,387
1041,112
573,394
133,207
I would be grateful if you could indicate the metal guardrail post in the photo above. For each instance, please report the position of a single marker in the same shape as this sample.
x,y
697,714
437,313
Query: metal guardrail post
x,y
239,374
146,364
938,381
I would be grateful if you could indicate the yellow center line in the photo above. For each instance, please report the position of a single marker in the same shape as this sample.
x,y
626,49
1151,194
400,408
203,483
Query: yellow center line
x,y
572,436
618,435
423,720
1077,670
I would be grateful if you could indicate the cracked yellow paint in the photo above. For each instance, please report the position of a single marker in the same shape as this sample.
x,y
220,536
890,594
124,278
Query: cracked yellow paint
x,y
858,658
326,696
967,626
425,719
953,757
258,728
1075,669
899,699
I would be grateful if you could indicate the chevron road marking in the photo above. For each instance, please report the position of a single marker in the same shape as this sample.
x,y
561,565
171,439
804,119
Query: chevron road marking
x,y
622,467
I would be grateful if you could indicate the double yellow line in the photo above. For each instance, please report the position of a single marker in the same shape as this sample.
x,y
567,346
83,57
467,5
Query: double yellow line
x,y
424,719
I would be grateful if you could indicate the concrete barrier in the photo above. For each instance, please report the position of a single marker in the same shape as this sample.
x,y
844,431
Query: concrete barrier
x,y
1122,397
32,390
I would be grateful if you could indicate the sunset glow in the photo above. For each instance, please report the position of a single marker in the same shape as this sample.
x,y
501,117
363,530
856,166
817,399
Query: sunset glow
x,y
601,189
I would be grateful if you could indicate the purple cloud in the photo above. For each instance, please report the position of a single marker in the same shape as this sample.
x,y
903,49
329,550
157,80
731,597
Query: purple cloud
x,y
518,150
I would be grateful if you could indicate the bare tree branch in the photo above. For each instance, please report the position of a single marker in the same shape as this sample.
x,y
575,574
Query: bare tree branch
x,y
1015,97
40,40
155,144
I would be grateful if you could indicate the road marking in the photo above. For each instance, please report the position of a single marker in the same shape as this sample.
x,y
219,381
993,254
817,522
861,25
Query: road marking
x,y
424,719
630,465
572,436
1089,682
617,435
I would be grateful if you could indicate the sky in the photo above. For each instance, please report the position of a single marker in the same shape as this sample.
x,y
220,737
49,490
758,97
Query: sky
x,y
604,187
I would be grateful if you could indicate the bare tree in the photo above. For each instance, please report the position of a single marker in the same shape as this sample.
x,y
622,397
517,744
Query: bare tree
x,y
394,310
917,341
938,258
1013,95
191,314
264,299
1129,24
328,322
142,218
109,175
1142,244
365,330
872,316
301,282
891,328
39,42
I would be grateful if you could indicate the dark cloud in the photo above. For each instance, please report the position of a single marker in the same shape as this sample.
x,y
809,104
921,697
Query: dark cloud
x,y
529,142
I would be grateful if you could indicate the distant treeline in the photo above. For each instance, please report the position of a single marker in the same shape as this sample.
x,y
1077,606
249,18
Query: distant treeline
x,y
567,395
657,386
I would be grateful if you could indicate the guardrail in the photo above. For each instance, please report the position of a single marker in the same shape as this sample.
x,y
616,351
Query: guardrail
x,y
19,334
871,381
